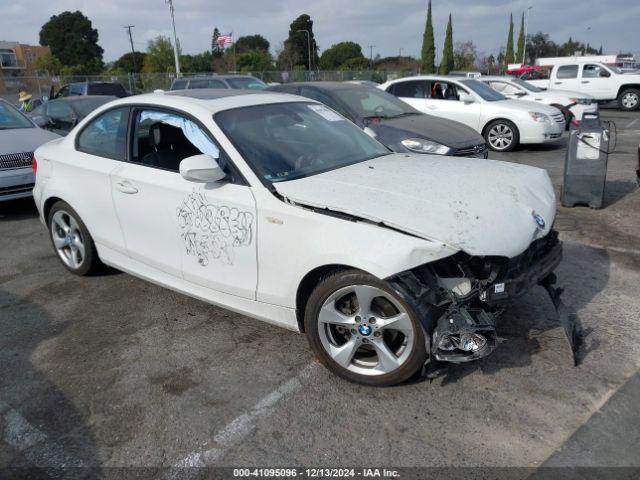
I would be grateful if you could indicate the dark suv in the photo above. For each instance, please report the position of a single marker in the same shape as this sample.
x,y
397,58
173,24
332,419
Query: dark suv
x,y
90,88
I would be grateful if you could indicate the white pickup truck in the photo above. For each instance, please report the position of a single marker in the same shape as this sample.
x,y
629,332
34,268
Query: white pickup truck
x,y
596,79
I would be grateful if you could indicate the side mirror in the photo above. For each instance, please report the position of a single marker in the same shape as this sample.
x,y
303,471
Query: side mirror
x,y
520,94
465,97
201,168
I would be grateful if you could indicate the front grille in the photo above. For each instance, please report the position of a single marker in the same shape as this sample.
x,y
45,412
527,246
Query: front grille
x,y
26,187
15,160
475,151
532,255
558,117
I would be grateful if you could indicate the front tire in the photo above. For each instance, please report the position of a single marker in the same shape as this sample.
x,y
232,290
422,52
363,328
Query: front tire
x,y
71,240
362,331
629,99
502,136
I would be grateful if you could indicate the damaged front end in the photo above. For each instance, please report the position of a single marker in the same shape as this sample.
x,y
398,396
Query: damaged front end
x,y
459,298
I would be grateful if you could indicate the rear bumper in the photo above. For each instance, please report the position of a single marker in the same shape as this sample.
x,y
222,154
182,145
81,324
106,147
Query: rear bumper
x,y
16,183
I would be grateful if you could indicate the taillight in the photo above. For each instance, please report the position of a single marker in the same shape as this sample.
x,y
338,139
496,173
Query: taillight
x,y
34,165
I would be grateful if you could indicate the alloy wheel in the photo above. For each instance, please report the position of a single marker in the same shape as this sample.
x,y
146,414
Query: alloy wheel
x,y
500,136
630,100
67,239
365,330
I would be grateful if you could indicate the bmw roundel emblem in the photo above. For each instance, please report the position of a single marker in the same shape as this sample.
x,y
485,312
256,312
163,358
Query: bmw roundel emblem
x,y
364,330
539,220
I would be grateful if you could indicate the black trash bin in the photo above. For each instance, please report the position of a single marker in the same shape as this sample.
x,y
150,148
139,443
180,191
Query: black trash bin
x,y
585,167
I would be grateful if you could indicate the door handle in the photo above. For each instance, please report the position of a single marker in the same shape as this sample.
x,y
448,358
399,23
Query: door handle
x,y
432,107
126,187
585,81
558,83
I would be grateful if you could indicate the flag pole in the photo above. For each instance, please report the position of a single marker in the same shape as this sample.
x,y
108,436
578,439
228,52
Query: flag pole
x,y
234,54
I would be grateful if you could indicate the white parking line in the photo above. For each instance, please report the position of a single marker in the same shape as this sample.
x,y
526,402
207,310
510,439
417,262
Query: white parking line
x,y
240,427
632,123
21,435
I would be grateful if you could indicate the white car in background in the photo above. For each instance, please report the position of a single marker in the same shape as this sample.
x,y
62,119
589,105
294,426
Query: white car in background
x,y
277,207
572,104
504,123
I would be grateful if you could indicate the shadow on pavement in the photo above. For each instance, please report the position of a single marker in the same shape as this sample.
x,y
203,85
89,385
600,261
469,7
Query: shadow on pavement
x,y
20,209
41,431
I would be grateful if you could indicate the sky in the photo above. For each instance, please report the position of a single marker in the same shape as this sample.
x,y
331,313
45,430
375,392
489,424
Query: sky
x,y
388,25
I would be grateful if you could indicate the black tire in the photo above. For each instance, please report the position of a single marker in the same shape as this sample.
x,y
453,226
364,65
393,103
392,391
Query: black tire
x,y
336,281
498,124
90,262
629,99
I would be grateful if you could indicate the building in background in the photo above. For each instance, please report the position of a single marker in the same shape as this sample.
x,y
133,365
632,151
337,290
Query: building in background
x,y
18,67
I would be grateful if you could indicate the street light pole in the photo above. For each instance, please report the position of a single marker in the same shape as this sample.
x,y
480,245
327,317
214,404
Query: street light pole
x,y
371,47
526,30
175,39
308,46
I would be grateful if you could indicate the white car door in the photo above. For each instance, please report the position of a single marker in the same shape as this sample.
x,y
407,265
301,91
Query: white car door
x,y
566,78
413,92
443,102
204,233
595,80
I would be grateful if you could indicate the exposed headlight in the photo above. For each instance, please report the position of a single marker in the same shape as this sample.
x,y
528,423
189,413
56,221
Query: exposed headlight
x,y
540,117
419,145
582,101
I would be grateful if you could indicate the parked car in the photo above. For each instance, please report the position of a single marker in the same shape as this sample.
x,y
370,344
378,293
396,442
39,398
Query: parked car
x,y
19,137
277,207
504,123
242,82
394,123
524,70
572,104
62,114
602,82
114,89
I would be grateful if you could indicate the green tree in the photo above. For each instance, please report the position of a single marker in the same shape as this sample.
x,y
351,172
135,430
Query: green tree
x,y
216,49
356,63
49,64
200,62
296,47
338,54
428,45
520,54
448,61
73,40
509,56
159,56
127,64
254,61
465,55
252,42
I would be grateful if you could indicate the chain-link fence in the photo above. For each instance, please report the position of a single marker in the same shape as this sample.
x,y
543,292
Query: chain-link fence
x,y
44,86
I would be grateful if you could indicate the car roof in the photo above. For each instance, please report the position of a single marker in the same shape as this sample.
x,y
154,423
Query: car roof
x,y
211,100
325,85
85,98
223,77
443,78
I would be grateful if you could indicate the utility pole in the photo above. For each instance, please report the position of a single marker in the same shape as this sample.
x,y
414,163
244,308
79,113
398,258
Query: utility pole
x,y
308,48
526,28
133,53
371,47
175,38
400,52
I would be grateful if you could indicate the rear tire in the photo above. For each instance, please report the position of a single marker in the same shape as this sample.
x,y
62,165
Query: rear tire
x,y
502,136
71,240
362,331
629,99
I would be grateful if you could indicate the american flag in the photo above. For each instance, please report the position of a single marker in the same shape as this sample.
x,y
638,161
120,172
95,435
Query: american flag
x,y
224,40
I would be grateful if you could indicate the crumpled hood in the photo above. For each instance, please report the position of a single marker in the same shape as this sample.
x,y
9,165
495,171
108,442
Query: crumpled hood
x,y
447,132
19,140
482,207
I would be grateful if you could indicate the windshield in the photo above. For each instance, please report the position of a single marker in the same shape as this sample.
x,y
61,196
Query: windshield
x,y
485,91
526,85
368,102
246,83
11,118
286,141
86,106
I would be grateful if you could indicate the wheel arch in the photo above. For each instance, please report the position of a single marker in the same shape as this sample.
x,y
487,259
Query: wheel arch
x,y
309,282
504,119
626,87
48,204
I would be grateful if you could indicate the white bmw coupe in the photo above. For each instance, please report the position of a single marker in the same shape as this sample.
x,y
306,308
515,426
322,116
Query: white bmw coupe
x,y
277,207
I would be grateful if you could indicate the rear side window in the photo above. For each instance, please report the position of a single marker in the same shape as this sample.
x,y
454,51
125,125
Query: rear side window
x,y
76,89
179,85
106,135
106,89
412,89
568,71
206,83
